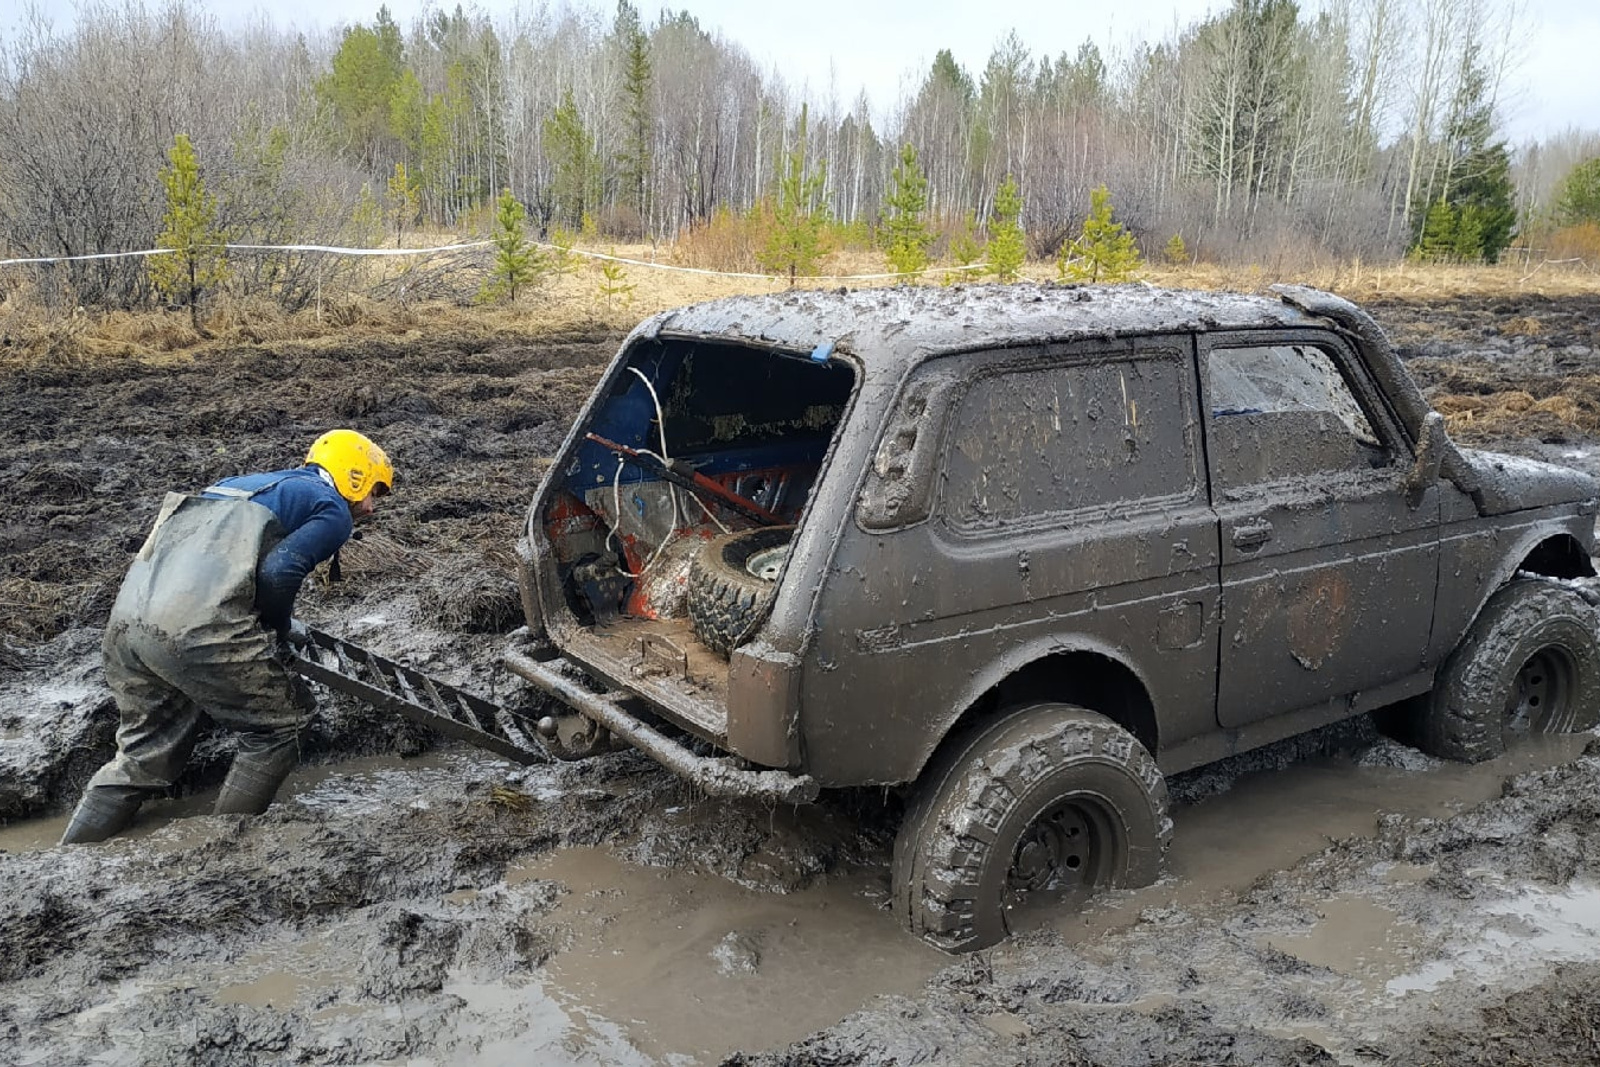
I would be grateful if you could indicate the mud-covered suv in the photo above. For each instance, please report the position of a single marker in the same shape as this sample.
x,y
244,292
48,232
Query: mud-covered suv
x,y
1026,550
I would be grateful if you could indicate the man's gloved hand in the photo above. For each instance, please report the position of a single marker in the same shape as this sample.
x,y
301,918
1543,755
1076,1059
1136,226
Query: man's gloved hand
x,y
298,635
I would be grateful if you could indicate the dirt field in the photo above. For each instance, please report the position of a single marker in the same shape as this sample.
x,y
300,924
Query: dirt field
x,y
1336,899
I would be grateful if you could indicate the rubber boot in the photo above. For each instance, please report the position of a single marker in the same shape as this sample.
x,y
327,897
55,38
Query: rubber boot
x,y
104,811
257,772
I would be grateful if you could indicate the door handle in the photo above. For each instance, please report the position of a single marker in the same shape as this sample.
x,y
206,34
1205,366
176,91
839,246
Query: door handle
x,y
1249,537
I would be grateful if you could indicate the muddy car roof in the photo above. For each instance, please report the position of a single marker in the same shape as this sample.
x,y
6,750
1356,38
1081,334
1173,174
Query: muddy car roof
x,y
908,321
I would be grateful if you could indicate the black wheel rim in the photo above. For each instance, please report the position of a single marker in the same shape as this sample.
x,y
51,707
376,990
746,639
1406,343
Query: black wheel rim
x,y
1541,693
1063,849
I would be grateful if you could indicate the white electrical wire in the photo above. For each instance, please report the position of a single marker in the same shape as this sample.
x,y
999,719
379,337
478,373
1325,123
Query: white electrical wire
x,y
664,458
710,514
616,509
672,491
661,422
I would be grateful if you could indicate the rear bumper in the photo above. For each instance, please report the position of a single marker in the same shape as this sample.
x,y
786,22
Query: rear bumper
x,y
717,776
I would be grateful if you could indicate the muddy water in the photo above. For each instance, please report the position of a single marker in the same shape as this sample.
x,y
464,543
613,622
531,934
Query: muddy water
x,y
673,964
169,823
503,1021
692,965
653,965
1267,820
1270,819
1532,928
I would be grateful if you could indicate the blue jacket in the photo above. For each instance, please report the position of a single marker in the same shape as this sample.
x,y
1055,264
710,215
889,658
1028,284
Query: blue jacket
x,y
316,523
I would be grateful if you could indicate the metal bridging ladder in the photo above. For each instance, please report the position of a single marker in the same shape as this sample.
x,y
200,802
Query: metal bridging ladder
x,y
353,670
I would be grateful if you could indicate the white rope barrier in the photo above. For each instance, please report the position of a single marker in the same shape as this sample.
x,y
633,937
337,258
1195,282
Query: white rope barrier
x,y
357,251
971,268
253,248
69,259
1555,263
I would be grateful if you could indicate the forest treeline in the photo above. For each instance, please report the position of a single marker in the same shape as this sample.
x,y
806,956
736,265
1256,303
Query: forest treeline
x,y
1367,129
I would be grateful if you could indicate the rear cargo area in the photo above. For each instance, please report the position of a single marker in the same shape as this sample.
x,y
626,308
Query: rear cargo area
x,y
669,516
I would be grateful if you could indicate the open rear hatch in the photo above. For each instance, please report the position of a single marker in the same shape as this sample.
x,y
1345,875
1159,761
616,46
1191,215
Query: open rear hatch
x,y
666,520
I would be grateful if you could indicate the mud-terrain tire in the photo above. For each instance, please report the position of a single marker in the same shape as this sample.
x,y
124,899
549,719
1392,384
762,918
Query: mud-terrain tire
x,y
727,601
1529,663
1050,796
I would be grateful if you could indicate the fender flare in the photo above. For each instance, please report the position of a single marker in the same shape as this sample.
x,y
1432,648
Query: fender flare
x,y
1015,660
1511,563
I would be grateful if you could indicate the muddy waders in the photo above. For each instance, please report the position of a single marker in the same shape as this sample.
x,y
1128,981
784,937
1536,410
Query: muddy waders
x,y
183,641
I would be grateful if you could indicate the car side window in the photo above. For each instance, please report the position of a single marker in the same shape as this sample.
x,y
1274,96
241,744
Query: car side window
x,y
1281,411
1047,441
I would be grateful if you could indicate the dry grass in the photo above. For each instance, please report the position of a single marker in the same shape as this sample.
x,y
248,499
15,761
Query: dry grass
x,y
477,599
660,277
377,555
1479,409
32,610
1357,280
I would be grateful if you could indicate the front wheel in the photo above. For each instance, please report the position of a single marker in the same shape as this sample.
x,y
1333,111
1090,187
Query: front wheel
x,y
1529,664
1050,798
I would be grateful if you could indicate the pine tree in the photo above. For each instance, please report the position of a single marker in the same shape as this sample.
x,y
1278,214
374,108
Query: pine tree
x,y
1006,250
614,284
1437,242
1578,198
796,245
1469,242
517,264
358,90
366,221
197,261
906,236
402,201
1485,199
560,258
1477,185
635,154
1176,252
572,153
965,250
1104,251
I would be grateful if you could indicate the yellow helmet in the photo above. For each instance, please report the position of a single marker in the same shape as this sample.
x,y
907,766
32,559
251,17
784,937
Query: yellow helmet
x,y
357,466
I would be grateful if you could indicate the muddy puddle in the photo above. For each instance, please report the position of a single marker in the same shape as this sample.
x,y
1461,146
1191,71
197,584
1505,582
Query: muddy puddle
x,y
170,824
1268,820
628,964
576,955
690,966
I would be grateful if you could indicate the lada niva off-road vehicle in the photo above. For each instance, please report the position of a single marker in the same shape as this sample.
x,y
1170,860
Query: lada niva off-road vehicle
x,y
1025,550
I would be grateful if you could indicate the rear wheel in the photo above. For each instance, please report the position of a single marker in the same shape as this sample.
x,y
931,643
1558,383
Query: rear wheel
x,y
1052,799
1529,664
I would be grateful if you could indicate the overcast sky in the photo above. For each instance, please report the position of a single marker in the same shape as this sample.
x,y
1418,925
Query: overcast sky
x,y
885,45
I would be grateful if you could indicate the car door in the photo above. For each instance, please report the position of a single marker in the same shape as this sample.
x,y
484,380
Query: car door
x,y
1329,565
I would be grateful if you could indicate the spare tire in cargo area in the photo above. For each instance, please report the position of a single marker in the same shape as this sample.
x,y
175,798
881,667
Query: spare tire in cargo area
x,y
731,583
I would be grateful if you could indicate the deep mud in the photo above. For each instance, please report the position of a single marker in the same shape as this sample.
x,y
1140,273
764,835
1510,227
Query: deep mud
x,y
1336,899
